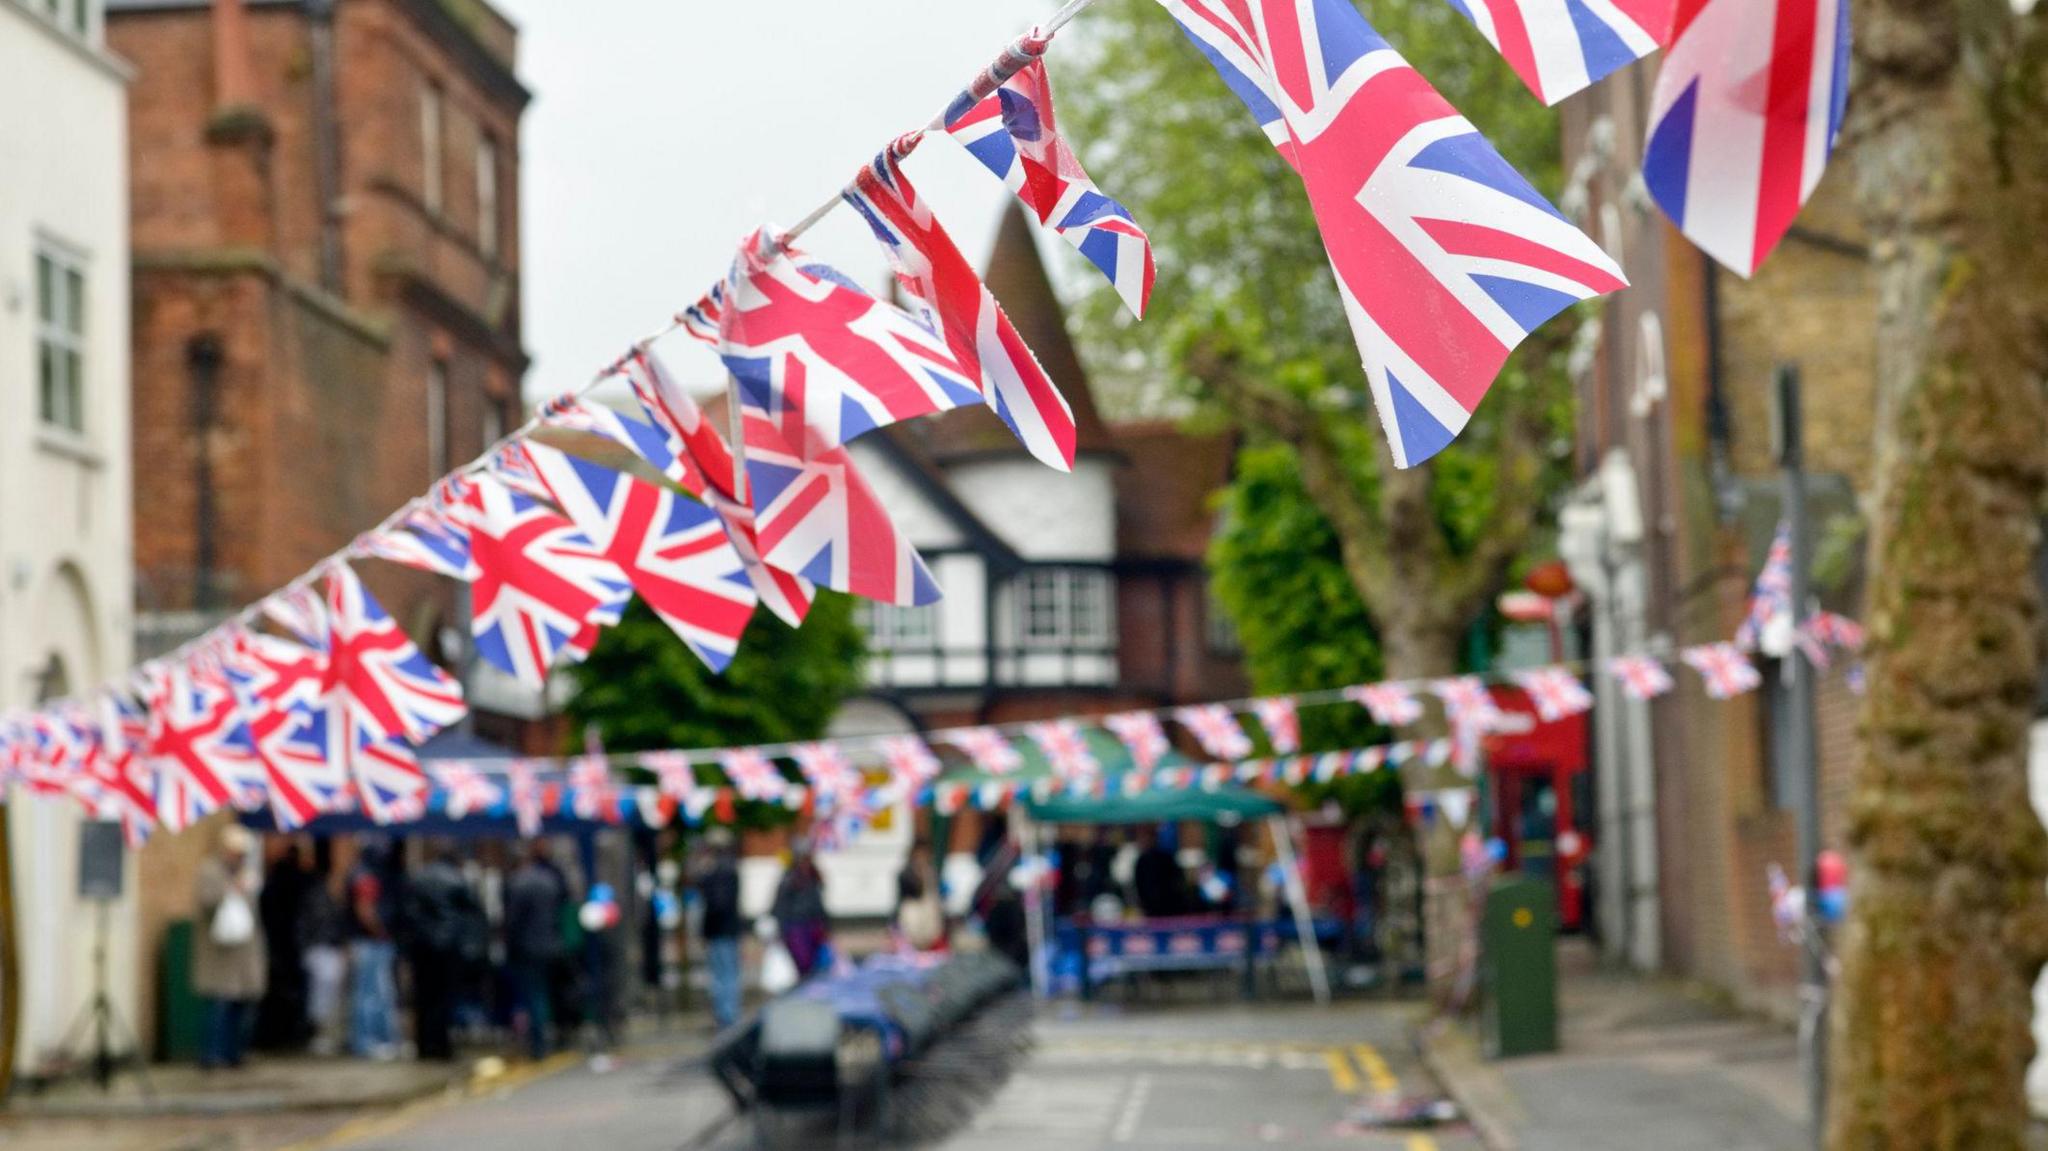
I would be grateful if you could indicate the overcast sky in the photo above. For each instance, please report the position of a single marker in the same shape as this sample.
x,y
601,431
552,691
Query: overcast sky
x,y
663,130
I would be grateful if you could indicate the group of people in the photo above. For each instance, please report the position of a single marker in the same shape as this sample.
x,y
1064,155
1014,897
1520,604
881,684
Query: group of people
x,y
1109,875
296,957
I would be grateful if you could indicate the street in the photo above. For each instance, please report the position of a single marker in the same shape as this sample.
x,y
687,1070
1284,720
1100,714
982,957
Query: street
x,y
1178,1078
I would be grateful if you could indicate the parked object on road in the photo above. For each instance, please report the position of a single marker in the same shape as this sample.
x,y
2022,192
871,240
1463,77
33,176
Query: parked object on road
x,y
229,969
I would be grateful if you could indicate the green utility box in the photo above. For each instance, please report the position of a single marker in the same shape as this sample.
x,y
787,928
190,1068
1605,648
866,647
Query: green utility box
x,y
1518,968
180,1015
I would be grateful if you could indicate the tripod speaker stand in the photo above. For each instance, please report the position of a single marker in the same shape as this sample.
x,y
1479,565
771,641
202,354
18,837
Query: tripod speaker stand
x,y
99,880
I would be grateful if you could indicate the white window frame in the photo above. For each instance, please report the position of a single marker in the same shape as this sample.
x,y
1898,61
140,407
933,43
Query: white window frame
x,y
487,223
1064,597
891,628
62,311
431,160
437,420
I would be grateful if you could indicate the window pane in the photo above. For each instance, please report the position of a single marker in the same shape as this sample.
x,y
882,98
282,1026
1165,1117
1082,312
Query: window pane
x,y
1041,592
73,414
74,301
430,147
487,196
46,289
1089,607
47,395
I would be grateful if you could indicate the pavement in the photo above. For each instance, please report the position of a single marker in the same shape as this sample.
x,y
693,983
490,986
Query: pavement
x,y
1644,1063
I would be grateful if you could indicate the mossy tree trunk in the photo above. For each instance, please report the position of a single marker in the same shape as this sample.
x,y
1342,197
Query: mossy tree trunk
x,y
1949,917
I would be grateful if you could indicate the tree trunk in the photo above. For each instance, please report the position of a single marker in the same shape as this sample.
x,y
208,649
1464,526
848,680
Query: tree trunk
x,y
1948,919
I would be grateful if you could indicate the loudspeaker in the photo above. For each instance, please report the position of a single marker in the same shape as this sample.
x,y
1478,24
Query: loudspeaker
x,y
100,852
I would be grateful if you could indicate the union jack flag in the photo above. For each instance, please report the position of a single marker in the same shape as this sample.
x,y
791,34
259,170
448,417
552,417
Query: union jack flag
x,y
1748,103
960,307
1281,721
754,775
828,770
824,361
124,786
1466,701
701,462
911,762
1724,669
1559,47
1066,750
52,756
465,789
675,553
1556,692
1446,258
1014,134
539,581
197,747
576,414
1216,729
423,538
674,773
1836,630
1391,704
593,795
379,693
816,517
1772,595
277,683
300,610
1142,735
988,748
1641,677
527,800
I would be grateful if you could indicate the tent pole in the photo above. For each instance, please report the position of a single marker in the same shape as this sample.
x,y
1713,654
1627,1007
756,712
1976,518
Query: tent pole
x,y
1034,909
1282,829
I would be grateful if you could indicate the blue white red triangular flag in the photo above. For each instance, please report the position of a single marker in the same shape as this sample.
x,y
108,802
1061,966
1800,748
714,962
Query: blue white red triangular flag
x,y
1749,100
1555,692
955,303
1641,677
990,750
1277,714
1215,727
1390,704
1142,735
1014,134
1446,258
1724,669
1559,47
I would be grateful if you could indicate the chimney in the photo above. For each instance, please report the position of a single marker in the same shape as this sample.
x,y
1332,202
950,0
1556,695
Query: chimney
x,y
234,76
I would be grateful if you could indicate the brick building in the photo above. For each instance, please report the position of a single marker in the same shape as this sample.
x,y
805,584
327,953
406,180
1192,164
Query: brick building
x,y
326,295
1681,500
1079,594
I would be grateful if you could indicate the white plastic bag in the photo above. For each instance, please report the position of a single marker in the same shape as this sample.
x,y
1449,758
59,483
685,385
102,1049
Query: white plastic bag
x,y
778,970
233,923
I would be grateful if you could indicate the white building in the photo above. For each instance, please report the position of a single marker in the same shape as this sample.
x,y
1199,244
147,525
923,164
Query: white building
x,y
65,540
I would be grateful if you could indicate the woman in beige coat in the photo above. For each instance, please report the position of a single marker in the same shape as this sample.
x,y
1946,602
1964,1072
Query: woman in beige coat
x,y
228,964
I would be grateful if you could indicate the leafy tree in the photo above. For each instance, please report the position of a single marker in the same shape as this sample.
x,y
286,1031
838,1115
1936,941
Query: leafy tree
x,y
646,691
1948,926
1249,309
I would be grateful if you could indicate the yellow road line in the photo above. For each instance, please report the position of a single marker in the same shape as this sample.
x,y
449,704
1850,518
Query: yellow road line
x,y
1375,1068
392,1122
1421,1143
1342,1077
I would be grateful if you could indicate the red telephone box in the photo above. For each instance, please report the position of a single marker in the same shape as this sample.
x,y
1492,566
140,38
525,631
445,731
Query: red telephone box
x,y
1535,771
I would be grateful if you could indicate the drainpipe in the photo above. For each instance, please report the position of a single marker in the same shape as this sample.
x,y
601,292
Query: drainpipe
x,y
202,362
326,141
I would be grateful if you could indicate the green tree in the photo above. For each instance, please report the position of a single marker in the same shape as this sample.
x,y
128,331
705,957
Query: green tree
x,y
646,691
1249,309
1948,924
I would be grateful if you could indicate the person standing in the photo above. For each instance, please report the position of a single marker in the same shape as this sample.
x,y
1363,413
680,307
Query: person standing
x,y
1162,887
281,1015
534,902
373,957
920,919
323,932
229,968
720,890
438,907
800,912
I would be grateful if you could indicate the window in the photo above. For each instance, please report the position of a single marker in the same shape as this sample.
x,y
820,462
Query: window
x,y
1063,607
487,194
60,340
892,628
437,420
430,148
1219,630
